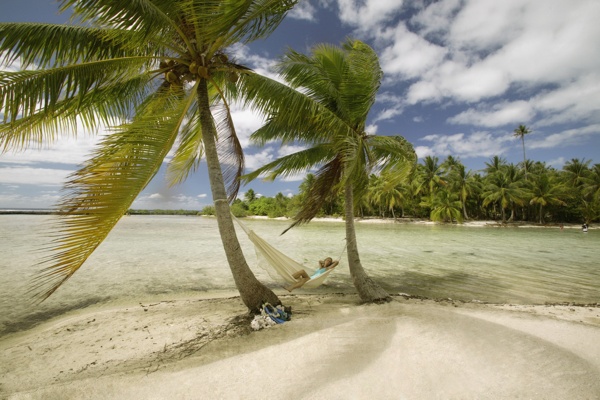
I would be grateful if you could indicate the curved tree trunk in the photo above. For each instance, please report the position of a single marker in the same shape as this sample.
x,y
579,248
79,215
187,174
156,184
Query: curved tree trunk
x,y
252,292
367,289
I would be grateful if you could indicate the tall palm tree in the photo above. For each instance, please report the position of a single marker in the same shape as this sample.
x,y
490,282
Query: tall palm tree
x,y
464,183
155,71
520,132
336,89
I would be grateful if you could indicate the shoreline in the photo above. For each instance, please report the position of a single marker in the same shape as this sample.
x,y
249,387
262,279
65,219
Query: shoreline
x,y
420,347
368,220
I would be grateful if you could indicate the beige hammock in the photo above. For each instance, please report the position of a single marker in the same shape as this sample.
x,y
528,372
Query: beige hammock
x,y
279,262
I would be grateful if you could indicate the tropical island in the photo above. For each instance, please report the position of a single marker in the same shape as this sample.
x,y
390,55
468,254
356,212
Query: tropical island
x,y
161,75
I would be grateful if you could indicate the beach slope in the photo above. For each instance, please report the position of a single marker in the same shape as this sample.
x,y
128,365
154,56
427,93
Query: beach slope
x,y
333,348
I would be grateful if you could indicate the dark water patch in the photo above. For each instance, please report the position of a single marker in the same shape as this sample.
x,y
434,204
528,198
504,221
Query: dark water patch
x,y
36,317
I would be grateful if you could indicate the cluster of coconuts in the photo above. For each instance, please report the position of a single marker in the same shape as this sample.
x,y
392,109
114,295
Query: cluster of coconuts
x,y
175,73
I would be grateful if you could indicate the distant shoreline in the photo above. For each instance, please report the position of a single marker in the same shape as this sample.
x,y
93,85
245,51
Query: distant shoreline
x,y
369,220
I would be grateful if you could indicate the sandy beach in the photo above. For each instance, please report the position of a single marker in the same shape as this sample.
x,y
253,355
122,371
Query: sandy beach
x,y
333,348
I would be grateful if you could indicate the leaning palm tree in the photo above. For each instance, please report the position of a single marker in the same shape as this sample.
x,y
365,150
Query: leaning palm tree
x,y
336,87
520,132
155,72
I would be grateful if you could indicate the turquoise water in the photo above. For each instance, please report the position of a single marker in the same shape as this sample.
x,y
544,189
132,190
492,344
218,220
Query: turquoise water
x,y
149,258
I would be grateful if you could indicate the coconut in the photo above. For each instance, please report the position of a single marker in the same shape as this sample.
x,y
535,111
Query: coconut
x,y
223,58
171,77
193,67
203,71
233,77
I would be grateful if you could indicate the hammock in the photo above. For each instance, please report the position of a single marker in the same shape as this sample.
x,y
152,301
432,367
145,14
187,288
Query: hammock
x,y
282,264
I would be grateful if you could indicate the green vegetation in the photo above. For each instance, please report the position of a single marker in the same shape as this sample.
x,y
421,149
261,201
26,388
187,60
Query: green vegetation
x,y
325,106
448,192
157,73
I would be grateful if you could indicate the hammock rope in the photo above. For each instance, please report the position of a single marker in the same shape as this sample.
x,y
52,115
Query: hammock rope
x,y
284,266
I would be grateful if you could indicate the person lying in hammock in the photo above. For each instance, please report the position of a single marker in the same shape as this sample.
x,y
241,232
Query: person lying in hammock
x,y
302,277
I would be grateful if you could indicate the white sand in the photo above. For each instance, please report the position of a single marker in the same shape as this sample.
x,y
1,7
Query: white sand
x,y
332,349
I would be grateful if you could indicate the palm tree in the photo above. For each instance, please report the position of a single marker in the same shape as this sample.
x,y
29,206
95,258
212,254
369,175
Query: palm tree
x,y
464,183
501,189
155,71
337,87
433,174
546,190
521,131
446,207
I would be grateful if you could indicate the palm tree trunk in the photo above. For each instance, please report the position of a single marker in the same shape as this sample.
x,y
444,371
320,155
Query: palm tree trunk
x,y
252,292
367,289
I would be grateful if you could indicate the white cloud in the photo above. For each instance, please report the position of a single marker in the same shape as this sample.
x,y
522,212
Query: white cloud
x,y
478,50
477,144
565,138
505,113
24,175
368,14
408,55
304,10
256,160
168,201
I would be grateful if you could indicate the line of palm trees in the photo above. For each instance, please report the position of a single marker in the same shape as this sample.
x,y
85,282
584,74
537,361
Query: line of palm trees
x,y
160,74
446,191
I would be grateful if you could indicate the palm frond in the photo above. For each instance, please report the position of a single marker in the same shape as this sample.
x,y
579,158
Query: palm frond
x,y
23,93
109,105
46,45
326,186
100,193
189,152
360,83
394,156
294,163
225,22
294,116
147,17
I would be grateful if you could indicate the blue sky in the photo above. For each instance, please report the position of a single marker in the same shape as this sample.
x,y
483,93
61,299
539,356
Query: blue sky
x,y
460,76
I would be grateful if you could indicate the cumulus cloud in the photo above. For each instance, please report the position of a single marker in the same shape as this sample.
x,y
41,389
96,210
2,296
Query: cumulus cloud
x,y
477,144
304,10
25,175
565,138
368,14
505,113
540,56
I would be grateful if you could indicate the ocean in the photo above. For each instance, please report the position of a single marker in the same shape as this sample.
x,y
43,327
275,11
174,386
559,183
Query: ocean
x,y
155,258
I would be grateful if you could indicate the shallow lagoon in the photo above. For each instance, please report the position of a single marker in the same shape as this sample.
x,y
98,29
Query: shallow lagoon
x,y
150,258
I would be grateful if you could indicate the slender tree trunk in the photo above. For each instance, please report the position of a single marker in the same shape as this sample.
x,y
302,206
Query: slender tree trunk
x,y
524,157
464,210
367,289
252,292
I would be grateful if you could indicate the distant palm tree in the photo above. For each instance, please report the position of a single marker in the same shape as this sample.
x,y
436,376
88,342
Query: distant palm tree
x,y
446,207
546,190
495,165
155,71
328,112
521,131
464,183
432,173
501,189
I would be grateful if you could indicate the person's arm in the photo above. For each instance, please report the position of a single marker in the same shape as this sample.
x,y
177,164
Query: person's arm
x,y
333,264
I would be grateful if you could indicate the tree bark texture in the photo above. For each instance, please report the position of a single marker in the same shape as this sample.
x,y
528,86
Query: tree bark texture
x,y
252,292
368,290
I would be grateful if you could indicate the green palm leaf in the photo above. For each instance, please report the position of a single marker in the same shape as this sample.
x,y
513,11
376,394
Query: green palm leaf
x,y
104,188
